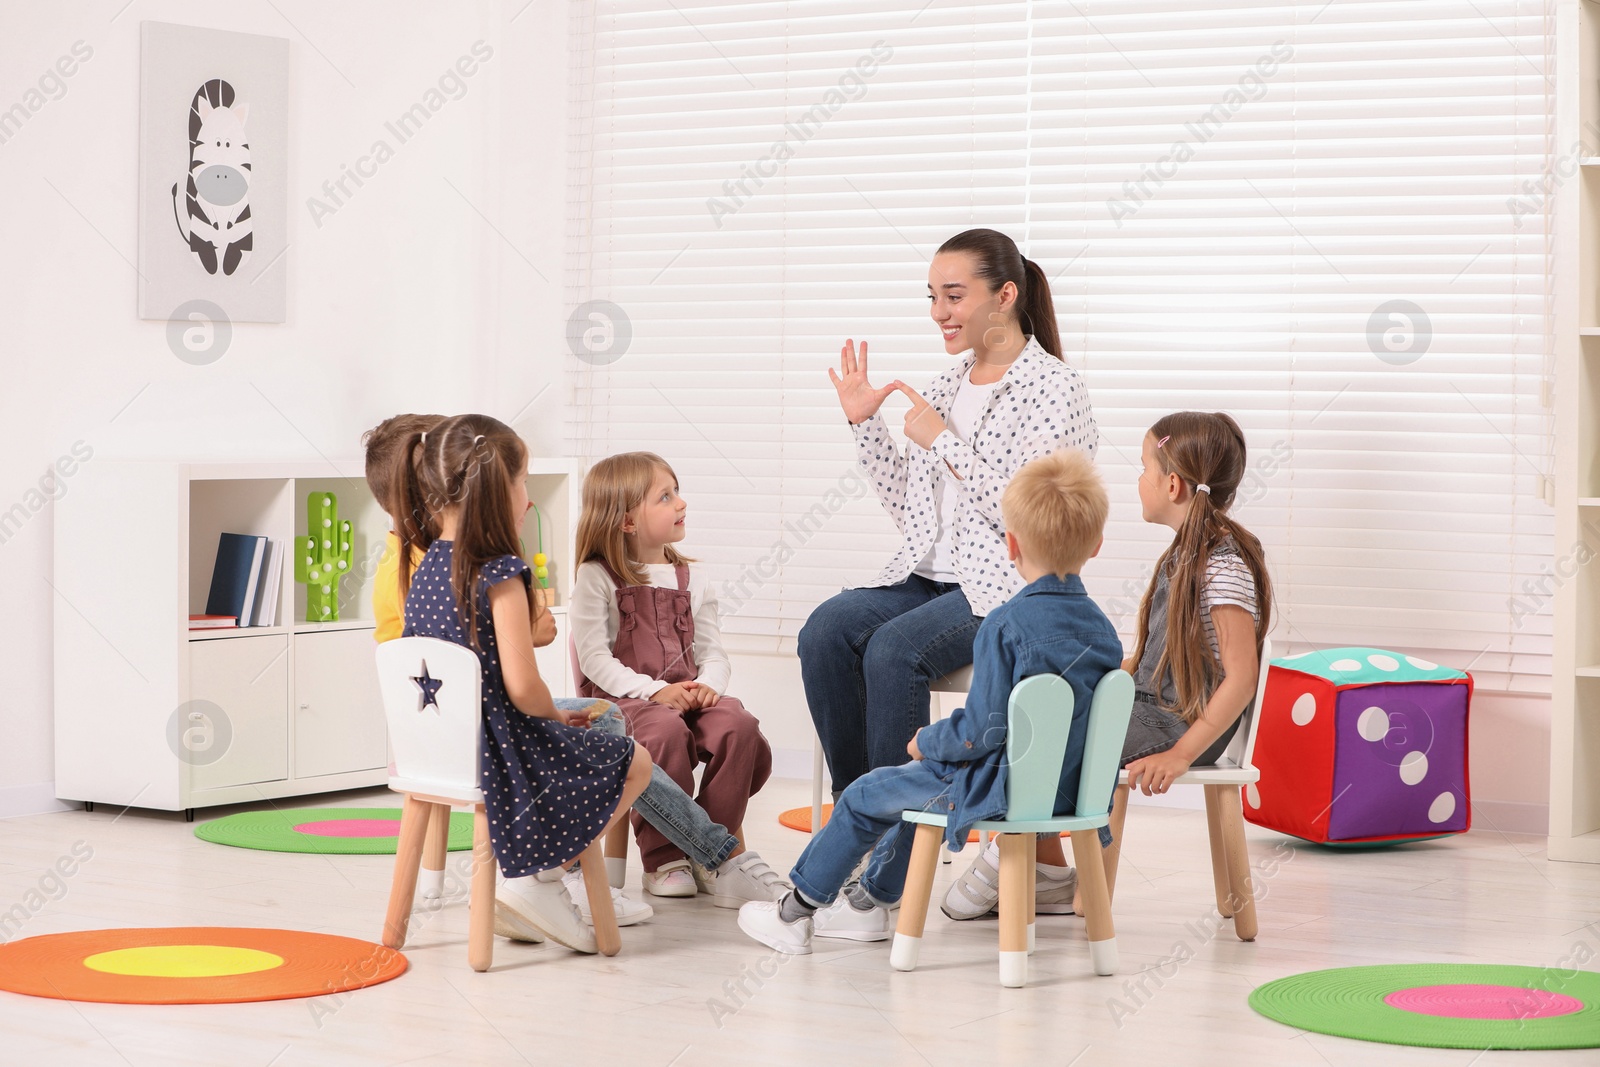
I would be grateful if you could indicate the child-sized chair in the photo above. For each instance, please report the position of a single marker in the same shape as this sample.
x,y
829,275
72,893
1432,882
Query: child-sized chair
x,y
432,701
1230,858
1039,721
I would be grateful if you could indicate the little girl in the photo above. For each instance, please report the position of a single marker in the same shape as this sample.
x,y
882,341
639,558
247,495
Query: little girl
x,y
1200,629
550,787
646,634
1203,618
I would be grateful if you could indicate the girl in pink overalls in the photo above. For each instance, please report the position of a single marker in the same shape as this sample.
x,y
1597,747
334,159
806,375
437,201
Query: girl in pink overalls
x,y
646,635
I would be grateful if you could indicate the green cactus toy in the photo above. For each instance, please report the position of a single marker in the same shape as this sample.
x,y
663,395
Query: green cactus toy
x,y
323,558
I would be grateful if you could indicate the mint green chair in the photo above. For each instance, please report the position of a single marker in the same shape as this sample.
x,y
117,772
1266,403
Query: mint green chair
x,y
1038,722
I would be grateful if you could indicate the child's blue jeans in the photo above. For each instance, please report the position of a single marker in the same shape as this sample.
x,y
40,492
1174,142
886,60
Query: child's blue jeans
x,y
867,816
665,806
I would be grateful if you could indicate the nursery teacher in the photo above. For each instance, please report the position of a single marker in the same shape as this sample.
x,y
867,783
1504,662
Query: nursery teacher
x,y
868,654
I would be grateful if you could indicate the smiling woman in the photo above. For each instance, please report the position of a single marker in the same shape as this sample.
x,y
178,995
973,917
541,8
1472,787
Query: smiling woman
x,y
1009,400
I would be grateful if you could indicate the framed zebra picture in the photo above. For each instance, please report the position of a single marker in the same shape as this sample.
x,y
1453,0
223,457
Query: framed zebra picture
x,y
213,173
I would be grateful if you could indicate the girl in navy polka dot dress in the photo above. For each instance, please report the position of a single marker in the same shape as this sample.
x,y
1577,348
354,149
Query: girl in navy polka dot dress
x,y
551,788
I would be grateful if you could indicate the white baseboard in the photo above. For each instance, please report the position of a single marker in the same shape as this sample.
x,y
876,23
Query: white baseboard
x,y
33,799
1511,817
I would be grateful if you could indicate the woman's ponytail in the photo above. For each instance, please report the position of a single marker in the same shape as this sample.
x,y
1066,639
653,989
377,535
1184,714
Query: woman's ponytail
x,y
1038,310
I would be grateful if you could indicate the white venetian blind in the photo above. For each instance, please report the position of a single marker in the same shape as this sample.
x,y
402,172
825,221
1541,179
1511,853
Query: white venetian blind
x,y
1231,199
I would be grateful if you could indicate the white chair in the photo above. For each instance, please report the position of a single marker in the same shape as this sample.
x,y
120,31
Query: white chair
x,y
957,681
1230,857
432,700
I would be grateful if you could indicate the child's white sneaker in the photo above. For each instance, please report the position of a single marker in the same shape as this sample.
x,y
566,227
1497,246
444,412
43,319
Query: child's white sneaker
x,y
672,880
628,911
705,881
744,878
843,919
508,923
760,919
547,907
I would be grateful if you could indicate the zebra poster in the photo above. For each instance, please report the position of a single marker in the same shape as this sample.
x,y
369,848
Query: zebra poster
x,y
213,172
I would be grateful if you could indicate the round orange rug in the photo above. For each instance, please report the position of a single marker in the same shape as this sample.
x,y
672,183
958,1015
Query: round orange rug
x,y
800,819
192,965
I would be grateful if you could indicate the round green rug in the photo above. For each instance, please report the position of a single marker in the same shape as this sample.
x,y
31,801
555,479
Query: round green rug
x,y
1442,1005
327,831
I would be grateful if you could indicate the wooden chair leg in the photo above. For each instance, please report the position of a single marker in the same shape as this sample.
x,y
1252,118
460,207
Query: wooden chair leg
x,y
616,846
435,847
480,921
600,906
1219,853
408,856
1031,877
1112,853
908,929
1096,900
1015,876
1241,891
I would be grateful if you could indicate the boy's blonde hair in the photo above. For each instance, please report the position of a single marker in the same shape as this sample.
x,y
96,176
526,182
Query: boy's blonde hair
x,y
612,488
1057,506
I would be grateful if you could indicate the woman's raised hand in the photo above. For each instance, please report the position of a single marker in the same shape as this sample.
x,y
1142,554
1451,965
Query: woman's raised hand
x,y
857,397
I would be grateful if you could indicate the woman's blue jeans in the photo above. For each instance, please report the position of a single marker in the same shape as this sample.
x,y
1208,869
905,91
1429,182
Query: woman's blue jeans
x,y
867,657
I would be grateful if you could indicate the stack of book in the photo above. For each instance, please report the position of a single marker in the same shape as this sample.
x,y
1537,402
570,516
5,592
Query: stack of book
x,y
244,584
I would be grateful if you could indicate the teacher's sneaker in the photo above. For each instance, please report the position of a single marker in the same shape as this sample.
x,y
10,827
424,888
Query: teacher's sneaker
x,y
744,878
628,911
976,894
760,919
547,907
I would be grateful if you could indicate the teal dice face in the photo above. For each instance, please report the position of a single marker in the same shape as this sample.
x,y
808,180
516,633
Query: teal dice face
x,y
323,556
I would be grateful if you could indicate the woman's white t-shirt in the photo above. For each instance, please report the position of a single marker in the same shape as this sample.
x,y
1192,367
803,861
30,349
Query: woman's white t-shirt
x,y
966,411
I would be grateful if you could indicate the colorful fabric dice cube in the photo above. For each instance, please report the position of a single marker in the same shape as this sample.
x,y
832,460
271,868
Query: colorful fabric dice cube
x,y
1362,746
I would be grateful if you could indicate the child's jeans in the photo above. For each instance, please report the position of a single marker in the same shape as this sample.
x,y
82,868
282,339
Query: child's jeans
x,y
664,805
867,816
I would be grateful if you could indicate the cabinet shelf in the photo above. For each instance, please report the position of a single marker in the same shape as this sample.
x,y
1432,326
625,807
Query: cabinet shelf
x,y
149,718
1575,272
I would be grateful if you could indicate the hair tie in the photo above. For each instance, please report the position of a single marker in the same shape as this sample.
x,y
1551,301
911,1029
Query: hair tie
x,y
1202,487
478,438
424,438
1164,440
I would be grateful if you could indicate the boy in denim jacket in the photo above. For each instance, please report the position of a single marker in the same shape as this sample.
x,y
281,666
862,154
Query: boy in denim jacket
x,y
1055,513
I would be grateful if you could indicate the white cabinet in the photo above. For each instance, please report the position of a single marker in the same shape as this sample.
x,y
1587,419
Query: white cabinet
x,y
338,716
235,734
152,715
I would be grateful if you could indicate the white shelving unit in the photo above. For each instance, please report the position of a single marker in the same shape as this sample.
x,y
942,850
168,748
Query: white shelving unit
x,y
1575,681
152,715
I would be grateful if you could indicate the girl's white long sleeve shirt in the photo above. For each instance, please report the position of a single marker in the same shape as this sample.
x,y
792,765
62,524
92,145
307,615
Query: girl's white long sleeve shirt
x,y
594,620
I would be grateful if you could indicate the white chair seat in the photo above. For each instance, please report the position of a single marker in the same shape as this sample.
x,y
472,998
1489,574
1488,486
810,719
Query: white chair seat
x,y
444,791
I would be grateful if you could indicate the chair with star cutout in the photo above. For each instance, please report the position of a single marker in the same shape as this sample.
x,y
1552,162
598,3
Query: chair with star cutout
x,y
431,699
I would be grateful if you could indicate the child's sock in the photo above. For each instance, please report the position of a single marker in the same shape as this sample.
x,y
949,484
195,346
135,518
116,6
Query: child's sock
x,y
860,899
794,907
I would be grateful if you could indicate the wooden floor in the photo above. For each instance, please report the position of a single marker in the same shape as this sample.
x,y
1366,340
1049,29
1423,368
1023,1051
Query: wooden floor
x,y
690,989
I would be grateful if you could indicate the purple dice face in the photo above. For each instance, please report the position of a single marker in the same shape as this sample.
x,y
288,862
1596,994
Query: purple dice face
x,y
1399,763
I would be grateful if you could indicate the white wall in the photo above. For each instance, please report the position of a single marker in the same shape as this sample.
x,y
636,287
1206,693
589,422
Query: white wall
x,y
405,298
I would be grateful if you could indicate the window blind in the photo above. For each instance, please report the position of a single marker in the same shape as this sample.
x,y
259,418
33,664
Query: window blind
x,y
1327,220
